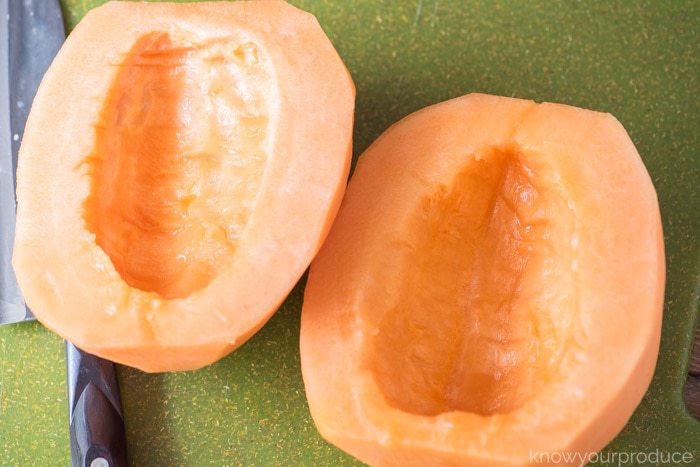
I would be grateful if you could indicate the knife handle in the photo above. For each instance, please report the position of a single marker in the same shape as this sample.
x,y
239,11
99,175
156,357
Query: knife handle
x,y
97,435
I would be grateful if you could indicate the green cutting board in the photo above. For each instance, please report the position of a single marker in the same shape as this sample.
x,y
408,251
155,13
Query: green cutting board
x,y
639,60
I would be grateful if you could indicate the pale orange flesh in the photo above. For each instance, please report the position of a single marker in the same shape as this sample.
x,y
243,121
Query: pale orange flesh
x,y
181,166
178,160
473,328
472,302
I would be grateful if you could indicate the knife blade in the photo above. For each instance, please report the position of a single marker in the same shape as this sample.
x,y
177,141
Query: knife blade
x,y
31,33
12,307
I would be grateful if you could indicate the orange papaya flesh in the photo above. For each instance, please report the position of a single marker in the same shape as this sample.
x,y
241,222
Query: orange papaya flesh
x,y
491,288
181,165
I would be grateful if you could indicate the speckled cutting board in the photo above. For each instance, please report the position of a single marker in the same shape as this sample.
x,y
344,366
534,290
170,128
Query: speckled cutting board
x,y
639,60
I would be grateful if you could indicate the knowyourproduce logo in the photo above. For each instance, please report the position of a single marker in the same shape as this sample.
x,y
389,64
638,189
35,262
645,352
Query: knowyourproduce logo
x,y
619,458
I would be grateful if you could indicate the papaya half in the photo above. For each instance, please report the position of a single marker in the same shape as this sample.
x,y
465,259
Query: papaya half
x,y
180,167
491,290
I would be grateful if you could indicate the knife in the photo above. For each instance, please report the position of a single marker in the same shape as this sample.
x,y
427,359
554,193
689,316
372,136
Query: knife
x,y
31,33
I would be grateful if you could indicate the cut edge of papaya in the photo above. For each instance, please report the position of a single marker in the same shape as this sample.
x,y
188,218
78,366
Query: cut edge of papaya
x,y
122,313
379,370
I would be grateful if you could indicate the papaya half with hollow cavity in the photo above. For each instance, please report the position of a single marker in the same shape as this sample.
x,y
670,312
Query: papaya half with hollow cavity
x,y
492,289
180,167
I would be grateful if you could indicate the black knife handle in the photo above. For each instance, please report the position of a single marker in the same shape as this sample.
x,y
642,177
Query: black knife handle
x,y
97,435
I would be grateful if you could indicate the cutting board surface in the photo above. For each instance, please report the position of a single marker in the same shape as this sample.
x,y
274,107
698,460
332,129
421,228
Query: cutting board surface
x,y
638,60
